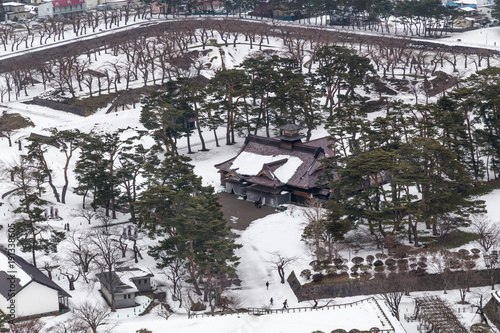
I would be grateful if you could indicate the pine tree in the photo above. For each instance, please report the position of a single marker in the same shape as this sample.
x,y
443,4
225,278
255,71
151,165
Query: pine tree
x,y
188,220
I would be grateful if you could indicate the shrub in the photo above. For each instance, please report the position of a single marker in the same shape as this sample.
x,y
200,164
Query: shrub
x,y
343,268
306,274
317,277
339,330
357,260
402,265
463,253
370,259
143,330
338,262
475,251
354,269
374,330
198,306
378,263
390,262
314,264
480,328
330,270
366,275
354,330
317,331
379,268
422,265
381,256
364,268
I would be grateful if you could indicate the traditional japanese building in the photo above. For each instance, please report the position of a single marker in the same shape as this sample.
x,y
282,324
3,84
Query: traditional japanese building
x,y
278,170
25,291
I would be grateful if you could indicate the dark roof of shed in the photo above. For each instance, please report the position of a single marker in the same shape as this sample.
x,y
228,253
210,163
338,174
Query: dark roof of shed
x,y
119,286
35,274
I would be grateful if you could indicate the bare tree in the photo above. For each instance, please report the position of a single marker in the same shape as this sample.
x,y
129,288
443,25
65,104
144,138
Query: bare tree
x,y
108,259
87,214
176,273
280,261
440,265
92,316
482,296
82,252
392,294
316,232
29,326
488,232
68,326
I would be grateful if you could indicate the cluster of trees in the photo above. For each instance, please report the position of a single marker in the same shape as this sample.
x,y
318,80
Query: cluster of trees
x,y
159,189
51,29
262,92
158,53
416,163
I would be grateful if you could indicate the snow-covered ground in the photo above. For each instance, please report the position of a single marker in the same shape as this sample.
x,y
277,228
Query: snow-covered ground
x,y
276,233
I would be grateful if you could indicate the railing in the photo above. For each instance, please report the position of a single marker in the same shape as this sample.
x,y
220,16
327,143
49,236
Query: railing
x,y
268,311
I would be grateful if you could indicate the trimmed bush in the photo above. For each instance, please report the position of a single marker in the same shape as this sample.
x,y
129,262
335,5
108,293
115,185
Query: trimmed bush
x,y
198,306
306,274
480,328
338,262
378,263
365,268
381,256
370,259
330,270
379,269
475,251
390,262
357,260
339,330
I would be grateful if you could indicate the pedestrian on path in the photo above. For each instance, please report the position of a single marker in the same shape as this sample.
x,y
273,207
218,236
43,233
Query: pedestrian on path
x,y
267,285
272,301
285,305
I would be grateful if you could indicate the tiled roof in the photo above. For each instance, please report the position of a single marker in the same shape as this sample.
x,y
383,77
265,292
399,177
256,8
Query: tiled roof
x,y
119,286
24,268
305,176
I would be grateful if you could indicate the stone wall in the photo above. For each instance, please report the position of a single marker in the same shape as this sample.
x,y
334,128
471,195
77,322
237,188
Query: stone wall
x,y
406,281
58,106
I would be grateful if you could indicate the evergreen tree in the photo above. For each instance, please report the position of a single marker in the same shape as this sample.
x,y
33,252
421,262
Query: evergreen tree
x,y
188,220
32,235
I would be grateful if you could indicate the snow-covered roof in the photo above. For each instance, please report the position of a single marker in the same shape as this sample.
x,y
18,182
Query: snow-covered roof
x,y
267,162
13,266
250,164
13,4
119,286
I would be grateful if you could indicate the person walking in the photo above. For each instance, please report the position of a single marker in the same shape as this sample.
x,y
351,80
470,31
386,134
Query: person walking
x,y
267,285
271,301
285,304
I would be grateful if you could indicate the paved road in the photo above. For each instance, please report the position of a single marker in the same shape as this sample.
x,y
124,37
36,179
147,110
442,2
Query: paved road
x,y
240,213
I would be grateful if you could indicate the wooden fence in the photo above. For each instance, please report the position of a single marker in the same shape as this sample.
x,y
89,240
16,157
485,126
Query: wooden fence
x,y
267,311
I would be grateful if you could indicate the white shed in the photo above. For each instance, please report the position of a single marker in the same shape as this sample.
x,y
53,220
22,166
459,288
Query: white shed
x,y
25,290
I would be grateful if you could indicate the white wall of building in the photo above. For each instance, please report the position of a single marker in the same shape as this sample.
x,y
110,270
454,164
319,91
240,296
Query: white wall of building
x,y
36,298
45,10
